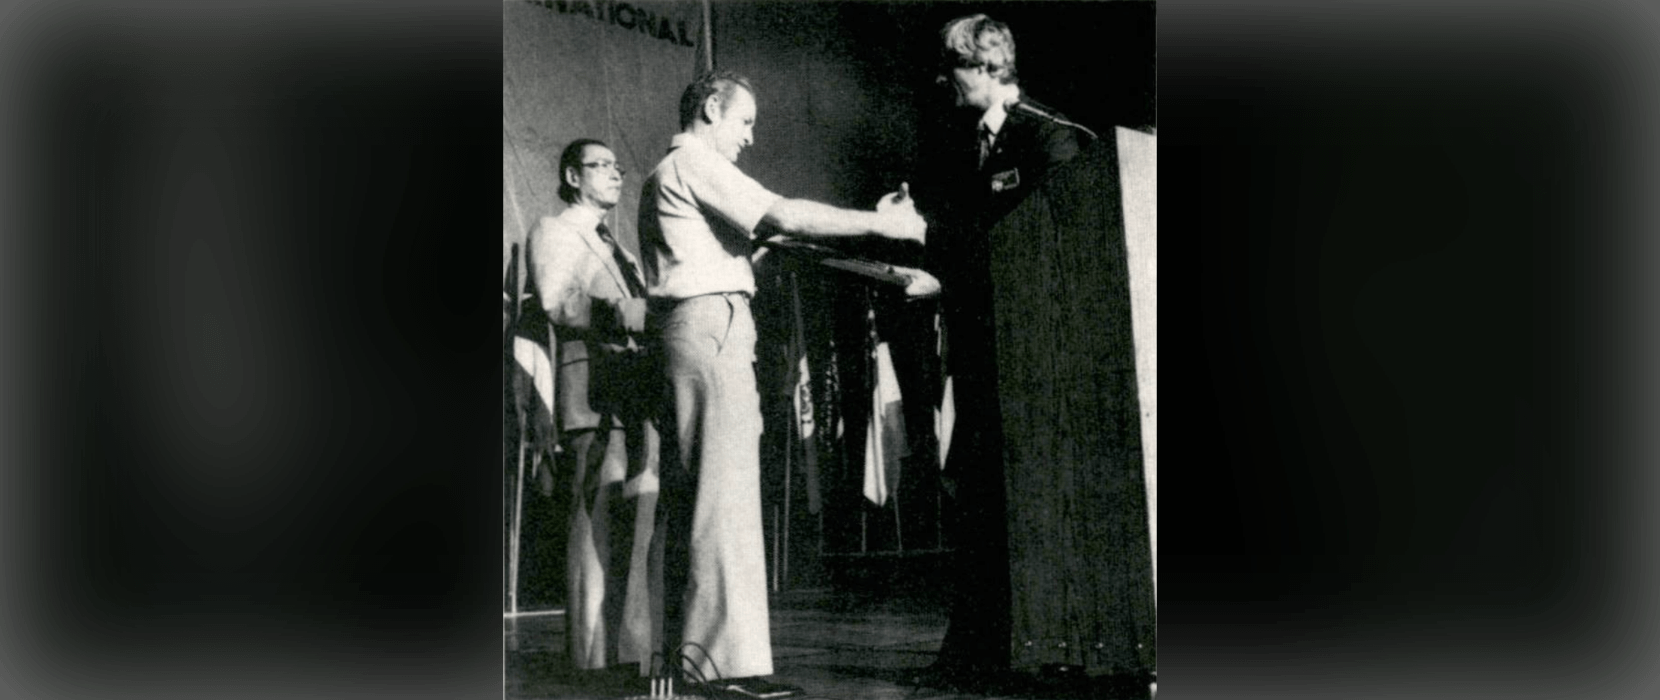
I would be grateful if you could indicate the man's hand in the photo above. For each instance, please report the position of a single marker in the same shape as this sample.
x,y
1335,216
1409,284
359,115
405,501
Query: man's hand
x,y
893,199
908,226
899,212
632,314
921,284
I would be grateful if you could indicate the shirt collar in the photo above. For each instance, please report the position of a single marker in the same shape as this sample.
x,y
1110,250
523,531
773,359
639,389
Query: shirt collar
x,y
993,119
584,218
683,139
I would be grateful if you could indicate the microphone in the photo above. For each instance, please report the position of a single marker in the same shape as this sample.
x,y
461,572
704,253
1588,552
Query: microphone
x,y
1018,105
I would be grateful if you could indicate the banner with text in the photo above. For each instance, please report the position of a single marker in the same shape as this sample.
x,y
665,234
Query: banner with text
x,y
576,69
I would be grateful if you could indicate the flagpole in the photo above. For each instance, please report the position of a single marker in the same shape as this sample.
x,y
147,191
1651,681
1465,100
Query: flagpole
x,y
781,531
708,38
870,382
518,515
898,528
775,549
784,558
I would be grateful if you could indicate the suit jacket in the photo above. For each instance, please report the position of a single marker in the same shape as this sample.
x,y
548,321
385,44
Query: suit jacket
x,y
579,284
963,201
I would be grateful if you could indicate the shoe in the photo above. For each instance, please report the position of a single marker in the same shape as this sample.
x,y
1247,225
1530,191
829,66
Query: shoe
x,y
955,676
942,675
617,677
930,676
757,687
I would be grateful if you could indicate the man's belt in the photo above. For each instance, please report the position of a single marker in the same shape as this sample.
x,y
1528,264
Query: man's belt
x,y
663,305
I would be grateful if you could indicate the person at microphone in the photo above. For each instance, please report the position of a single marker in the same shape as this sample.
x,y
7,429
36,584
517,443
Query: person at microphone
x,y
1008,143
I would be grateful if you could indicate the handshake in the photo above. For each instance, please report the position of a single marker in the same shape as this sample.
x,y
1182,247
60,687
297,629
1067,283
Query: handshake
x,y
898,212
908,226
895,218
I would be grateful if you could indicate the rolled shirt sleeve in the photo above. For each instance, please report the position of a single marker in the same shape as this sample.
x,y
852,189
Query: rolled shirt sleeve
x,y
698,214
724,189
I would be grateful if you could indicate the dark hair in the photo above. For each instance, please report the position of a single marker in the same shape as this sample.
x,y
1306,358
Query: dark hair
x,y
721,81
572,158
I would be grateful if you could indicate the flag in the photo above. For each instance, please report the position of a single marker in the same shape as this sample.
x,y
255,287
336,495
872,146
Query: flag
x,y
945,418
538,368
804,421
802,398
945,414
885,442
533,384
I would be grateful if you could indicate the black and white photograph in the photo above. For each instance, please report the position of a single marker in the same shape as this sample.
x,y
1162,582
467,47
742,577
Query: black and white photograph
x,y
829,349
828,358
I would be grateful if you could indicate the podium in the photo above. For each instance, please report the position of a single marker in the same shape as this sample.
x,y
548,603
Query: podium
x,y
1081,559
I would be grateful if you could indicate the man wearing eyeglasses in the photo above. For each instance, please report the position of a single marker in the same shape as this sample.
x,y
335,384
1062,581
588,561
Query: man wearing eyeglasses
x,y
594,296
698,219
1006,146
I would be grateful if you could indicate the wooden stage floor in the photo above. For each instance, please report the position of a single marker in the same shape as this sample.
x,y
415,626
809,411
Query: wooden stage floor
x,y
834,648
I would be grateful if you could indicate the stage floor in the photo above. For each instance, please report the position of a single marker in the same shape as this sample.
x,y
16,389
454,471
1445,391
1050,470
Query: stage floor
x,y
833,647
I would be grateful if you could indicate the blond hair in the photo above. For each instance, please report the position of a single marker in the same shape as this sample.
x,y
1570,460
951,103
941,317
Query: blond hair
x,y
980,41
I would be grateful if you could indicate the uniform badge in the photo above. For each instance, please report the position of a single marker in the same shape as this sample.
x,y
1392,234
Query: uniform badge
x,y
1006,180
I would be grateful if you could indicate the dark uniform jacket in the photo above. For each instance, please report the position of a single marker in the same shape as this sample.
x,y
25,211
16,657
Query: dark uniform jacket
x,y
963,202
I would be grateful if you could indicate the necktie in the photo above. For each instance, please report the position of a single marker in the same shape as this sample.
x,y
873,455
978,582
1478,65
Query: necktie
x,y
636,287
985,144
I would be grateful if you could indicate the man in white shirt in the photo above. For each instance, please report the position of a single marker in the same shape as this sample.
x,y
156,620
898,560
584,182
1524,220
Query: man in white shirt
x,y
698,217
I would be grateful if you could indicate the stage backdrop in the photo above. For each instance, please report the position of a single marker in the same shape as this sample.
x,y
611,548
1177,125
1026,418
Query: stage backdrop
x,y
573,69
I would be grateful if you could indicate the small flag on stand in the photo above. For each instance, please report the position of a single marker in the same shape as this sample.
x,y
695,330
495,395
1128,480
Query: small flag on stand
x,y
802,398
885,443
538,369
945,418
945,414
535,389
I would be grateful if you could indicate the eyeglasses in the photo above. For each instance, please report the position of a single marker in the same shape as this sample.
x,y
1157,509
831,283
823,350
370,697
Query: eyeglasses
x,y
608,165
951,59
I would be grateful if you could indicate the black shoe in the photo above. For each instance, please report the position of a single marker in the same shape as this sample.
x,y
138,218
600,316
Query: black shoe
x,y
928,676
616,677
757,687
956,676
943,675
